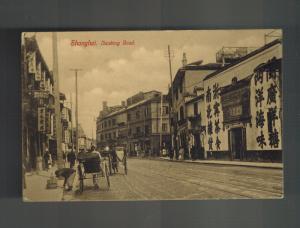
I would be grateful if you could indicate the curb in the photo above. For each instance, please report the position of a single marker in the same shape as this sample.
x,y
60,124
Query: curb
x,y
225,163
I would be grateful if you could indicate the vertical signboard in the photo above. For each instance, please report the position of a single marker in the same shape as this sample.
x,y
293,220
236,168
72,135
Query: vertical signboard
x,y
41,119
48,122
31,62
38,75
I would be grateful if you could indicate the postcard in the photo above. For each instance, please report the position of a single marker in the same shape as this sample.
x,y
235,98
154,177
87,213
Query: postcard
x,y
152,115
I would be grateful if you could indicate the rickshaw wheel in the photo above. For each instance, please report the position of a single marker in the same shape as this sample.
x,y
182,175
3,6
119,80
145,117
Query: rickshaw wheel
x,y
107,176
125,166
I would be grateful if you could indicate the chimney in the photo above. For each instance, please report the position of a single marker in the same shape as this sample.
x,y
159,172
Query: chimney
x,y
104,105
123,103
184,60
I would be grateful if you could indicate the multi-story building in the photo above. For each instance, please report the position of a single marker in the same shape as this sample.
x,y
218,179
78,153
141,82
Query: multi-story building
x,y
111,125
66,118
188,90
139,126
148,123
38,112
37,105
243,104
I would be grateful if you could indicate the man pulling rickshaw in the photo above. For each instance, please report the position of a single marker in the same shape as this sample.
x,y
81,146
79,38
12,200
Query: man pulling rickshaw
x,y
91,166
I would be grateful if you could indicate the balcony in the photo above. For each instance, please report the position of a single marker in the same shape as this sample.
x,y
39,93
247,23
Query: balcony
x,y
181,122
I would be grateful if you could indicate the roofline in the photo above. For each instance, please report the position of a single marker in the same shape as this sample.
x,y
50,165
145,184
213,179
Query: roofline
x,y
251,54
195,99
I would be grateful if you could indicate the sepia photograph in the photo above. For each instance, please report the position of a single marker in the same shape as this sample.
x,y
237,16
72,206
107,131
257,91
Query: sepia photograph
x,y
152,115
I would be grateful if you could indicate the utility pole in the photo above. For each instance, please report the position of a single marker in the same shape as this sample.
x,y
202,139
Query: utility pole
x,y
60,163
161,119
71,121
76,109
172,99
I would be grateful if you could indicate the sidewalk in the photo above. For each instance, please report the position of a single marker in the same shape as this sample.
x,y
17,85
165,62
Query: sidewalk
x,y
233,163
36,187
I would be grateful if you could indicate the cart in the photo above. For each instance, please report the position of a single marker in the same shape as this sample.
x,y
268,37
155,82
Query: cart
x,y
90,167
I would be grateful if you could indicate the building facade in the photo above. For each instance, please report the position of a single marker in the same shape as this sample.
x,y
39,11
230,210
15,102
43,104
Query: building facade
x,y
37,105
186,124
141,126
38,111
243,103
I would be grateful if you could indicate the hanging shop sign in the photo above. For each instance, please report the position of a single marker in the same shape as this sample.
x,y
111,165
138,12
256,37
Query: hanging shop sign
x,y
41,119
38,75
48,122
236,105
31,59
41,94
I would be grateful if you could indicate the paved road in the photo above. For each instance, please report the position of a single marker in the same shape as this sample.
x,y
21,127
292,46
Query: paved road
x,y
155,179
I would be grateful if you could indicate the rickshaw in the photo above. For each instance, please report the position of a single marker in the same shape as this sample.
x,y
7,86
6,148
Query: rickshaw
x,y
90,167
116,156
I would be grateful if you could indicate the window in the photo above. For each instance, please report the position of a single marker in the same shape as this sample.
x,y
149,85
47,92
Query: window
x,y
164,127
114,135
165,110
181,113
109,123
105,124
129,131
128,117
102,137
109,135
113,122
196,109
146,129
137,114
146,111
176,94
138,130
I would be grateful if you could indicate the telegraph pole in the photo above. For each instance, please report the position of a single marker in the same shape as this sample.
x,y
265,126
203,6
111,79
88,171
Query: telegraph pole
x,y
172,99
60,163
76,109
72,141
161,120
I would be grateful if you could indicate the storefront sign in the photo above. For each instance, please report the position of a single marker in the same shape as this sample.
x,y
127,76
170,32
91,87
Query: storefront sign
x,y
40,94
48,122
41,119
236,105
38,74
31,62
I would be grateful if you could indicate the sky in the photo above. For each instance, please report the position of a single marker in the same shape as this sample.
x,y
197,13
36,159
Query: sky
x,y
113,73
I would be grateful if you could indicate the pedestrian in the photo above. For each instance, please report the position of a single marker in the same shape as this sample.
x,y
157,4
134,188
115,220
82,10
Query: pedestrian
x,y
68,174
47,159
71,158
64,156
114,160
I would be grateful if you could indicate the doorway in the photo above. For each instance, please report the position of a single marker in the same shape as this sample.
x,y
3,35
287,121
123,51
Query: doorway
x,y
237,140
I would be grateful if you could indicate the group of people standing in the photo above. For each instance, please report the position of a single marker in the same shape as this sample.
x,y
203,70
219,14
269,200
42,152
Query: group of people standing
x,y
69,157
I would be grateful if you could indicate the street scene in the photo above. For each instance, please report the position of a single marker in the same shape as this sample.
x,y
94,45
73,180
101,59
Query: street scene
x,y
152,115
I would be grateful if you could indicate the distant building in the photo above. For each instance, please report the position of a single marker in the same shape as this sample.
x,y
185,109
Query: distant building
x,y
66,117
147,121
139,125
